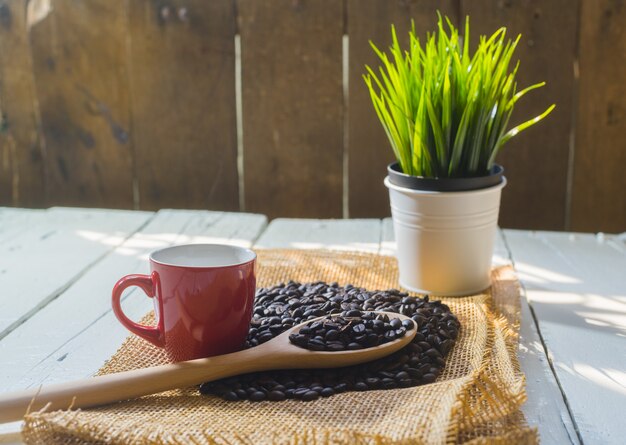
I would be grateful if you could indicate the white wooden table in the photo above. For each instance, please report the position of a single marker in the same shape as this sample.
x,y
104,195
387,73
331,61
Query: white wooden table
x,y
57,268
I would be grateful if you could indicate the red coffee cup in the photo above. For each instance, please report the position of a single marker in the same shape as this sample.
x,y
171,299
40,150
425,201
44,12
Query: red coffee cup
x,y
203,298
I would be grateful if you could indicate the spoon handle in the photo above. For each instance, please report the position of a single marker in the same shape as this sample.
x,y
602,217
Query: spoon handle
x,y
130,384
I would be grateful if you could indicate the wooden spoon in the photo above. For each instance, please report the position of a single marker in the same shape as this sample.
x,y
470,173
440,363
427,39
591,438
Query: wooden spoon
x,y
278,353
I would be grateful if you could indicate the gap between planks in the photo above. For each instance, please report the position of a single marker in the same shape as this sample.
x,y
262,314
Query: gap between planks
x,y
568,424
85,352
71,353
575,284
21,319
382,241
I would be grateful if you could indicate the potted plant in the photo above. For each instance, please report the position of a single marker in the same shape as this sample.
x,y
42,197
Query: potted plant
x,y
446,111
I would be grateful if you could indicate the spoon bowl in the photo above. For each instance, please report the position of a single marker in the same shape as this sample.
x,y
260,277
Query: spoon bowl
x,y
277,353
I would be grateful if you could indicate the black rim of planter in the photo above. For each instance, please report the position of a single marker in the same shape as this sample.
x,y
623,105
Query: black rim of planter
x,y
396,177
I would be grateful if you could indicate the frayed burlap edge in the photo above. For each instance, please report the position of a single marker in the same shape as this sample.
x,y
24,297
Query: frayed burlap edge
x,y
491,401
484,409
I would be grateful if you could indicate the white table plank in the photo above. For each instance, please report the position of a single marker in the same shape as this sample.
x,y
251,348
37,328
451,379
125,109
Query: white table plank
x,y
86,353
14,221
339,234
545,407
576,285
80,350
25,349
40,263
77,346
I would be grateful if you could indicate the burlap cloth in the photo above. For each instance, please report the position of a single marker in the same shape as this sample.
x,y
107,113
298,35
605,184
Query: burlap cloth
x,y
476,400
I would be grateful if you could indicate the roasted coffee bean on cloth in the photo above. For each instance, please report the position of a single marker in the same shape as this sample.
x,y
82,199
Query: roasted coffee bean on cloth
x,y
349,331
281,307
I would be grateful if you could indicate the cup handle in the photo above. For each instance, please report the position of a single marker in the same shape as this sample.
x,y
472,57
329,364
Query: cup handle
x,y
147,283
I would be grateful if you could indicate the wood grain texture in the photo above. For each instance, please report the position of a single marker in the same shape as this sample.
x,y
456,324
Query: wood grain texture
x,y
599,183
368,147
362,235
14,222
182,56
40,263
536,161
22,181
292,106
545,407
79,62
76,349
576,286
275,354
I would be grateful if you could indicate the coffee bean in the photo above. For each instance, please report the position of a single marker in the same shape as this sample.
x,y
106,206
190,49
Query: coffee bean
x,y
274,320
429,378
414,373
265,337
283,306
446,346
359,328
298,339
341,387
372,382
257,396
310,395
300,392
402,375
242,394
327,392
276,395
315,326
424,369
408,324
277,329
418,337
230,395
315,345
433,353
332,334
335,346
347,333
388,383
361,386
395,323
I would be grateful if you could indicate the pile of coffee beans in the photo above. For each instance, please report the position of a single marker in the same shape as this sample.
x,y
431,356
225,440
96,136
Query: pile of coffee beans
x,y
351,330
283,306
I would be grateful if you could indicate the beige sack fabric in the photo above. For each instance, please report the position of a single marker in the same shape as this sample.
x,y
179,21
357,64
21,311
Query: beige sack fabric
x,y
476,400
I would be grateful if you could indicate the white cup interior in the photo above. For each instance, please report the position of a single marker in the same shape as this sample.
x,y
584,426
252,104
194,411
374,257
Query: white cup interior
x,y
203,255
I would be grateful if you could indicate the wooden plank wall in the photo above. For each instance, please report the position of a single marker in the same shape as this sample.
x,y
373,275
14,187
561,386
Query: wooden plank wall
x,y
22,170
292,106
599,182
78,51
134,105
182,63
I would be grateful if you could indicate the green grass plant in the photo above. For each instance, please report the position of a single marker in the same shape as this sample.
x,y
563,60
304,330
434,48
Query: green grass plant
x,y
446,111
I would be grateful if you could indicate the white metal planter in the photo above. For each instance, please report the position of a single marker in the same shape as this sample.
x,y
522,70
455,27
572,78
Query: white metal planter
x,y
445,239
